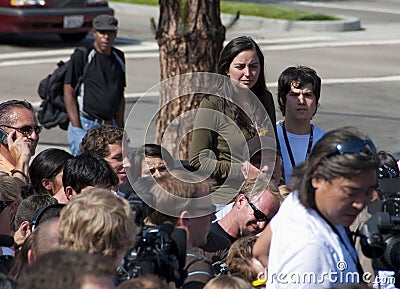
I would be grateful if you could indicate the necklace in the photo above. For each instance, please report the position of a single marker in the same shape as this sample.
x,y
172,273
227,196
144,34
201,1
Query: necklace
x,y
289,149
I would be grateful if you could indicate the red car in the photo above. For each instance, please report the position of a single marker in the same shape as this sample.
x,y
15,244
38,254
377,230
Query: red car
x,y
71,19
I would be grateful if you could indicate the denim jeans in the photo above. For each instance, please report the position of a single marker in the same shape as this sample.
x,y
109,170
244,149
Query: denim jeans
x,y
76,134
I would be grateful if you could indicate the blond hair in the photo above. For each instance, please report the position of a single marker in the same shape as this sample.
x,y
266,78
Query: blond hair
x,y
227,282
253,187
97,222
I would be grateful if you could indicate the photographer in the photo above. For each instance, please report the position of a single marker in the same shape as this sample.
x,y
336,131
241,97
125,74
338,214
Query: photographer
x,y
309,234
183,199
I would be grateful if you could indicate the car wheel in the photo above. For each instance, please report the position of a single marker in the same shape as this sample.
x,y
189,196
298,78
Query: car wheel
x,y
73,36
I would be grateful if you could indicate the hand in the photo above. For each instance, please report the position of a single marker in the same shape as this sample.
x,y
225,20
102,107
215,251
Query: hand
x,y
19,149
249,171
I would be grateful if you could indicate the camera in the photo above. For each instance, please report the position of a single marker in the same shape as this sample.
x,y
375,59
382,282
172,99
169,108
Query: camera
x,y
159,250
380,234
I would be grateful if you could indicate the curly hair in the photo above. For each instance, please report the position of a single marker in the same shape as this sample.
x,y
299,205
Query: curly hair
x,y
239,259
98,139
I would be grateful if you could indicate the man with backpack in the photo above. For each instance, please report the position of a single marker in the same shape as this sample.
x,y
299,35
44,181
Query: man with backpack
x,y
94,83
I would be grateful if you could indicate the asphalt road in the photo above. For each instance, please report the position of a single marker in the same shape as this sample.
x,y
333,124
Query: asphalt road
x,y
360,69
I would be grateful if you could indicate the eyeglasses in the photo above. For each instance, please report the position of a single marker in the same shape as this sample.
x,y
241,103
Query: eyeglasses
x,y
260,216
4,204
26,130
353,147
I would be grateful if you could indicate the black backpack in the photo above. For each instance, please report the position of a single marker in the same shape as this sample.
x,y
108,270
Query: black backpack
x,y
52,110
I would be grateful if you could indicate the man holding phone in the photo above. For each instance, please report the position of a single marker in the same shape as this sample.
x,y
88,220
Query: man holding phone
x,y
19,135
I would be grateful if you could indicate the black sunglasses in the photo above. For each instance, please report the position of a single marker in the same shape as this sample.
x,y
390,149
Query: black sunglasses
x,y
353,147
26,130
4,204
260,216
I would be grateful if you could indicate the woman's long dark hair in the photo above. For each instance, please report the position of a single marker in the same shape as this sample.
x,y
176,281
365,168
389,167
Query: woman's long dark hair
x,y
231,50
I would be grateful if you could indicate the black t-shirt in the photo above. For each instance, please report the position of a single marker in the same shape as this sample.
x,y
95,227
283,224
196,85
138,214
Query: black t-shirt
x,y
216,228
104,82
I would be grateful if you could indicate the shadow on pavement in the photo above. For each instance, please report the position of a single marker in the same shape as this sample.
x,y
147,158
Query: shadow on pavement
x,y
53,41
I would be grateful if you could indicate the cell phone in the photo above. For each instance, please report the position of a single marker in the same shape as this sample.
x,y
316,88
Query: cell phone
x,y
3,137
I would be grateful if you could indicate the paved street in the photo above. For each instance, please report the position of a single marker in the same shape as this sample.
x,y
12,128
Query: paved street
x,y
360,69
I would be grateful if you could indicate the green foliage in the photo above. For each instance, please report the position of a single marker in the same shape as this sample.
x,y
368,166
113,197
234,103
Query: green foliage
x,y
270,11
251,9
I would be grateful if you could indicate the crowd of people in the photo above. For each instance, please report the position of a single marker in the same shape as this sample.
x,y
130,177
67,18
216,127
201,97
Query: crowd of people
x,y
259,204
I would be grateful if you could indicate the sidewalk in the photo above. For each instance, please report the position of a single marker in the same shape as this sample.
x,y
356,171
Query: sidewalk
x,y
140,15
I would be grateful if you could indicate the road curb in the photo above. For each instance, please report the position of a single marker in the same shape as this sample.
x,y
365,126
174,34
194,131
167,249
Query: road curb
x,y
254,23
246,23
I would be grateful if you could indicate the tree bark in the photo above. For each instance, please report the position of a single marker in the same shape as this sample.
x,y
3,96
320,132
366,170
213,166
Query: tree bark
x,y
190,36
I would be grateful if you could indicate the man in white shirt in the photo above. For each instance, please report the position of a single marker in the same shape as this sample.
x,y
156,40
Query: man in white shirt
x,y
299,90
310,245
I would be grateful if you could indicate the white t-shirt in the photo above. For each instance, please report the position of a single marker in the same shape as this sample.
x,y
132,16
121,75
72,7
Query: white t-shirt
x,y
306,253
298,145
221,213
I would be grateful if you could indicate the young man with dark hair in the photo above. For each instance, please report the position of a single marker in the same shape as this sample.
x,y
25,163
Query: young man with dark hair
x,y
86,171
299,90
100,98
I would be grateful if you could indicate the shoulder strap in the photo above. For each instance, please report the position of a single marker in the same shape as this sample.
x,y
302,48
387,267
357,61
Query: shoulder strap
x,y
120,61
87,57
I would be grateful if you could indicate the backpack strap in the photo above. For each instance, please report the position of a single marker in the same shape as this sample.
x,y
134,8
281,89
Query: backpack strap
x,y
120,61
87,57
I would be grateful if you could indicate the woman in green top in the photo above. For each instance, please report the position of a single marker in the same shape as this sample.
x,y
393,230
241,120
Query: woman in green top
x,y
223,124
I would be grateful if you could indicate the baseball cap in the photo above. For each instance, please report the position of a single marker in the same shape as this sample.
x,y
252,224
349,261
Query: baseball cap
x,y
257,144
105,22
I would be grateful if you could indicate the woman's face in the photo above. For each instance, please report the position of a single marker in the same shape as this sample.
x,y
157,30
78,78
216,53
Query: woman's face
x,y
245,68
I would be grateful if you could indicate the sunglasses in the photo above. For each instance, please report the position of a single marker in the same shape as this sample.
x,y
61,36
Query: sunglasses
x,y
26,130
4,204
260,216
353,147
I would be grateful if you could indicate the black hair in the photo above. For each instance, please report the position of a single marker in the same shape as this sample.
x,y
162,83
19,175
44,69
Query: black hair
x,y
47,165
388,166
322,164
297,76
230,51
88,169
